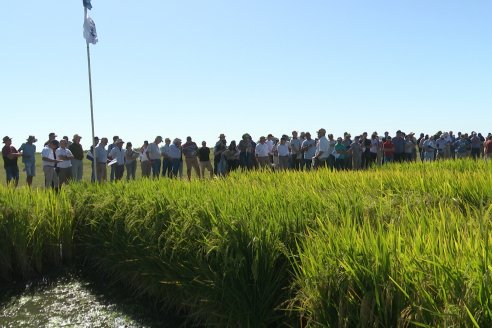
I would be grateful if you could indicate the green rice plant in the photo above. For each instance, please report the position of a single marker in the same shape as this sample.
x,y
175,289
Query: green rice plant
x,y
35,230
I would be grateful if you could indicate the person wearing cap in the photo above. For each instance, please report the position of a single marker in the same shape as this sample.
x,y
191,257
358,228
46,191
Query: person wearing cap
x,y
10,155
154,155
118,154
50,162
52,136
28,150
219,148
322,150
204,158
101,160
308,149
190,152
78,155
65,166
167,165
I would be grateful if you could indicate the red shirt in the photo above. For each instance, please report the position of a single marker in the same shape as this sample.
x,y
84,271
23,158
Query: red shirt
x,y
388,148
488,147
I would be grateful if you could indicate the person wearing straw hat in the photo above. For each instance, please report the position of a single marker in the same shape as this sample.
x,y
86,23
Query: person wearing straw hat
x,y
10,155
28,150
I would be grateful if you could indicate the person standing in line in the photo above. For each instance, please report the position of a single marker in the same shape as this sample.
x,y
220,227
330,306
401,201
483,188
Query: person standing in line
x,y
348,155
340,152
231,156
118,154
78,155
308,148
90,157
10,155
476,145
429,147
388,150
28,151
64,167
219,148
110,147
154,155
261,153
204,157
356,153
49,165
302,137
283,154
130,161
295,151
175,155
399,144
167,165
322,150
144,160
487,148
190,151
331,152
101,160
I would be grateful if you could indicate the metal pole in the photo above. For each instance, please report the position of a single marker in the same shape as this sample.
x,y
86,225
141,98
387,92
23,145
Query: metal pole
x,y
92,107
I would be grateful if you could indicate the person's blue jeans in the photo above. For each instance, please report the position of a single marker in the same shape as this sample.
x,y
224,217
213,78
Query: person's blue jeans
x,y
167,167
175,163
12,173
156,167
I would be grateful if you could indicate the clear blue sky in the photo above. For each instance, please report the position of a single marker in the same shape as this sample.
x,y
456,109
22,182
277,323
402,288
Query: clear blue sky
x,y
200,68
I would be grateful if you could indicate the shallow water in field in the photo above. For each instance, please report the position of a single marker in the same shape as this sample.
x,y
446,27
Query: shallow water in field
x,y
71,301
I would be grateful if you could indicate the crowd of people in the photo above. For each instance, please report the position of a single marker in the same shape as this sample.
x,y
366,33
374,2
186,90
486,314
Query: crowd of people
x,y
62,161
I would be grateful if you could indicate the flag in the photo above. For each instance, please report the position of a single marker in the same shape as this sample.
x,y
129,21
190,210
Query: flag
x,y
87,4
90,33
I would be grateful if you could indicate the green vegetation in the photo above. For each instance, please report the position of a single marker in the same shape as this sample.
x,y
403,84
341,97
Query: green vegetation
x,y
401,245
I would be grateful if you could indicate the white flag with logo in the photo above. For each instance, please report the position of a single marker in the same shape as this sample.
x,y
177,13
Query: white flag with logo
x,y
90,33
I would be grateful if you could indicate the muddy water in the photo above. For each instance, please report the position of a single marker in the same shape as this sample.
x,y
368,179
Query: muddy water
x,y
72,301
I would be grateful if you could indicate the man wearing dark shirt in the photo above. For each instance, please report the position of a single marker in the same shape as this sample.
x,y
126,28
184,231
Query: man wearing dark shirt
x,y
399,145
10,155
204,158
190,150
78,155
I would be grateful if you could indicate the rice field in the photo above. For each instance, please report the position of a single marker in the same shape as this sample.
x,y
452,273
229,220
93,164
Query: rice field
x,y
397,246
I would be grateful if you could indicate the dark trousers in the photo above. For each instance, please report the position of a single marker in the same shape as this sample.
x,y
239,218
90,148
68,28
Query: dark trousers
x,y
167,167
118,171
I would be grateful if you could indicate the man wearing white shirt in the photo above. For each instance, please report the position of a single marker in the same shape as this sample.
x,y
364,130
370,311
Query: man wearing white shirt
x,y
154,154
65,166
118,154
262,153
49,163
283,154
308,147
322,150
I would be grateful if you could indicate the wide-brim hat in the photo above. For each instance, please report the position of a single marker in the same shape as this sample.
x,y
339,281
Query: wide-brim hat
x,y
6,138
32,138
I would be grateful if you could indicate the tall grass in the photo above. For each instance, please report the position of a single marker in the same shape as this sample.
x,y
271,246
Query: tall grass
x,y
401,245
36,231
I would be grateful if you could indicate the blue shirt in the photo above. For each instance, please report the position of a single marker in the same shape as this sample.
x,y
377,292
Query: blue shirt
x,y
28,153
101,154
399,144
174,152
311,151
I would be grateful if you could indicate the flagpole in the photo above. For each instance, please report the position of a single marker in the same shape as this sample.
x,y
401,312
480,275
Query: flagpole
x,y
92,106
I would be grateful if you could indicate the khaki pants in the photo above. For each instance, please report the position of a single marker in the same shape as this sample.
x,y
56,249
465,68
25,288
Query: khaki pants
x,y
192,162
206,165
50,177
101,172
264,161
